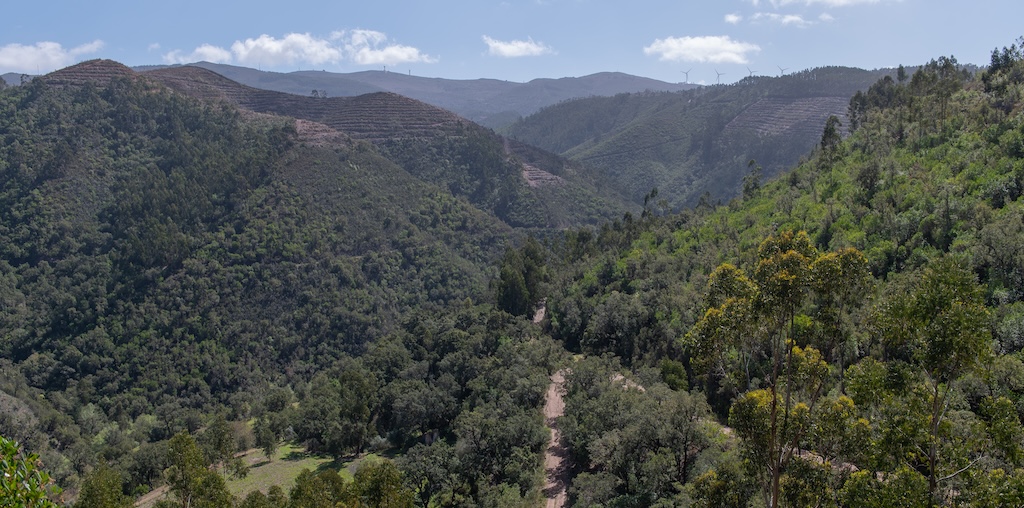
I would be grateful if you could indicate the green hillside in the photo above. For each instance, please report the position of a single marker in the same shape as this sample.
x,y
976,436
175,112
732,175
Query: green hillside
x,y
166,261
434,145
856,321
182,279
699,141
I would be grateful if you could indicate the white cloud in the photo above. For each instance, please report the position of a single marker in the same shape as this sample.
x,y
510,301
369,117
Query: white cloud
x,y
369,47
204,53
705,49
733,19
826,18
43,56
515,48
291,49
363,47
782,19
153,47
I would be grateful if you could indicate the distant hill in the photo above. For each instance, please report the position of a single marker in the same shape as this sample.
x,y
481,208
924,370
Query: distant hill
x,y
523,186
12,78
489,102
698,141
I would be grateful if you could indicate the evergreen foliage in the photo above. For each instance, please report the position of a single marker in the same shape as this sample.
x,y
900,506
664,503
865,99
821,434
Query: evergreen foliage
x,y
846,334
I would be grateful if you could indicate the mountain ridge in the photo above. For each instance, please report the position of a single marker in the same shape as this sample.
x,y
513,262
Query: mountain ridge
x,y
690,143
490,102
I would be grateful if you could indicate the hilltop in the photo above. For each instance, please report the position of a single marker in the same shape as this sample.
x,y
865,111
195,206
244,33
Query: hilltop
x,y
523,186
489,102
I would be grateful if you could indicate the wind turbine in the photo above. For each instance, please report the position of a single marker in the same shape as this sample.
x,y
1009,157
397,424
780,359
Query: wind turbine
x,y
751,73
782,70
720,74
687,73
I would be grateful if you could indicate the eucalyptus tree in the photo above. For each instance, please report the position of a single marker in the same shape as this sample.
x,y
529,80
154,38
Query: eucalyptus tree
x,y
752,326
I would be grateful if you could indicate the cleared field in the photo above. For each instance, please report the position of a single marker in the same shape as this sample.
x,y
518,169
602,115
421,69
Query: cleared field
x,y
288,462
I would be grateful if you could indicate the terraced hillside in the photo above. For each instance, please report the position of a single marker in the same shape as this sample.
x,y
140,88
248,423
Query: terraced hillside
x,y
802,117
433,144
698,142
374,117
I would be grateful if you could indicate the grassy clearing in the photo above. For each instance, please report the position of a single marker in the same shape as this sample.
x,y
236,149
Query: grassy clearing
x,y
288,462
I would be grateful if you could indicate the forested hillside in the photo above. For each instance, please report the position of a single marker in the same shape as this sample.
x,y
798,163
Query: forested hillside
x,y
696,142
170,265
433,145
183,280
856,322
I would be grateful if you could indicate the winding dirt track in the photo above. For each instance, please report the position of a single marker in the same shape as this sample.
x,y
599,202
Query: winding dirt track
x,y
556,457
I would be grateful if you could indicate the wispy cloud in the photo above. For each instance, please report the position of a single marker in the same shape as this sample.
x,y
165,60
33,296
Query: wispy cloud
x,y
705,49
43,56
363,47
516,48
733,19
782,19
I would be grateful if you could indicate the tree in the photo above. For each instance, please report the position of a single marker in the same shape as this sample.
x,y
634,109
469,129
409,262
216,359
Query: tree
x,y
379,484
323,489
722,487
193,485
431,470
831,137
939,323
266,438
841,279
856,110
336,415
218,442
752,181
521,274
759,314
22,483
102,489
728,324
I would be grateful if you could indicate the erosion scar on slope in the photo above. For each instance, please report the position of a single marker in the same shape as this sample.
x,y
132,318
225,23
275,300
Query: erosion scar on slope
x,y
556,457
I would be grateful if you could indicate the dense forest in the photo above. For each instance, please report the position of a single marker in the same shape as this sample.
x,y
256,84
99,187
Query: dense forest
x,y
182,281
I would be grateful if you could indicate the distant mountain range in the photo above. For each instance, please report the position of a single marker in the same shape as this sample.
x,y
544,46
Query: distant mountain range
x,y
488,102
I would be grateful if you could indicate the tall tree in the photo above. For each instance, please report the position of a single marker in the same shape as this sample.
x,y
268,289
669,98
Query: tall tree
x,y
939,323
191,482
747,315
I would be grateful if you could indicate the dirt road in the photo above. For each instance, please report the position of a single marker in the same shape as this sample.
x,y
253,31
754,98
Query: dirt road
x,y
556,457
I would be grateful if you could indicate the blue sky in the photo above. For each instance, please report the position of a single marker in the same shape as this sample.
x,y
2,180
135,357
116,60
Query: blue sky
x,y
516,40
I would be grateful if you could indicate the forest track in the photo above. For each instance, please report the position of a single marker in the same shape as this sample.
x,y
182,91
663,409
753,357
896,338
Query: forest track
x,y
557,466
